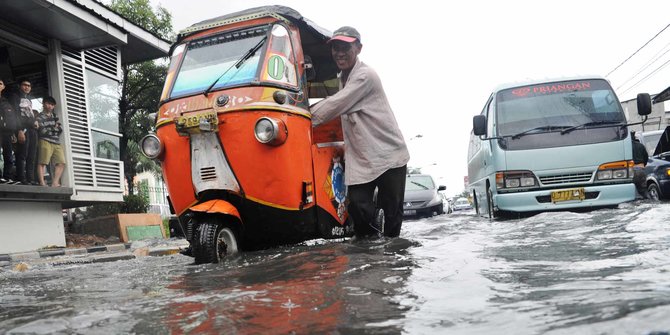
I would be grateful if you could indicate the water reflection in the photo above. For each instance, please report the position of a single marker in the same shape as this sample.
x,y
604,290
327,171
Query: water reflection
x,y
335,287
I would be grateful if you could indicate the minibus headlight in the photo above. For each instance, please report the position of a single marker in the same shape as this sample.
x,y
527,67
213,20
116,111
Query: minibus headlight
x,y
512,182
607,174
620,174
527,181
515,179
151,146
615,170
270,131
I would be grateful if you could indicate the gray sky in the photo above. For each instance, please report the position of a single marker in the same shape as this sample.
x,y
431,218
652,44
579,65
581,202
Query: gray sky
x,y
439,61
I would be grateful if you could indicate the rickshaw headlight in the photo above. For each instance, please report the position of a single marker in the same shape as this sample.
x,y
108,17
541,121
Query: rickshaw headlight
x,y
270,131
151,146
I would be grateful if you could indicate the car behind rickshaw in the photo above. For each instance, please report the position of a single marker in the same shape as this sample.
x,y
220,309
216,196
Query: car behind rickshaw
x,y
243,167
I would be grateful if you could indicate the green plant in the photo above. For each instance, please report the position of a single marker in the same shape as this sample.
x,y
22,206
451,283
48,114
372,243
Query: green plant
x,y
132,203
166,227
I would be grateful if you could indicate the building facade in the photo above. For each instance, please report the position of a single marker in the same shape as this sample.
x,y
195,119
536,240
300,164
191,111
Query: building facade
x,y
72,50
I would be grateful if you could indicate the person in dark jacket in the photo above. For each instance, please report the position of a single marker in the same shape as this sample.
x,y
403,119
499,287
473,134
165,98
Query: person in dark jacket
x,y
640,158
26,149
8,128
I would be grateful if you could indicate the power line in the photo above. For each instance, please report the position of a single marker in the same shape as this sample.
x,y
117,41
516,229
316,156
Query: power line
x,y
647,76
646,66
638,50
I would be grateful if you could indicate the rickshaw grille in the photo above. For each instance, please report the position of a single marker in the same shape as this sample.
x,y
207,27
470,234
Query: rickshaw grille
x,y
208,173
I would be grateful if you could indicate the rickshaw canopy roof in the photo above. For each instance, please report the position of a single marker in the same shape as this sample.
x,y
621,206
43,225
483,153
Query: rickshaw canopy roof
x,y
313,37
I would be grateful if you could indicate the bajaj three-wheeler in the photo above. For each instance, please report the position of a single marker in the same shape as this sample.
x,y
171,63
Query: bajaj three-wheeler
x,y
243,166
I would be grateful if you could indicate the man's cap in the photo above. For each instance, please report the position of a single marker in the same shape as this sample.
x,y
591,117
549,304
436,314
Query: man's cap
x,y
346,34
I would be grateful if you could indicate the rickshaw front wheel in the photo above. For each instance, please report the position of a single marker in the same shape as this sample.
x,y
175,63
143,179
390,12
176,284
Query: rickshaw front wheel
x,y
213,243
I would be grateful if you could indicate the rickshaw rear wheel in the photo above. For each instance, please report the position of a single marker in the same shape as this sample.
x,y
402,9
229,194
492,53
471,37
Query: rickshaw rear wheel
x,y
213,242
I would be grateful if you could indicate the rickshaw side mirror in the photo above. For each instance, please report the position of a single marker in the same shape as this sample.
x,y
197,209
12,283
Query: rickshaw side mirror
x,y
310,73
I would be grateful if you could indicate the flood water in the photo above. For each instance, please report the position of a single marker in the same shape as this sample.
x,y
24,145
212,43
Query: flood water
x,y
600,272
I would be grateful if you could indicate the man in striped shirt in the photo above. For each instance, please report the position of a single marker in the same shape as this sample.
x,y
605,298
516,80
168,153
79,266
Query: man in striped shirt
x,y
49,147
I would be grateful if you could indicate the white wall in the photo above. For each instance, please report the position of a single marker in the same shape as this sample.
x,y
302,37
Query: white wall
x,y
28,226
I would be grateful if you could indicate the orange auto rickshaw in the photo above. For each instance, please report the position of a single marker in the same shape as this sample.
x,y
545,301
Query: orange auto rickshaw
x,y
243,167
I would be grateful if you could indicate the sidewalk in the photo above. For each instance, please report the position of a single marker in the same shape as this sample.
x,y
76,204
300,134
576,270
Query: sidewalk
x,y
96,254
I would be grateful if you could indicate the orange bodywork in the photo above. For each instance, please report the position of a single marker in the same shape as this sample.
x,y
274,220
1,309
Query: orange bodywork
x,y
292,176
217,206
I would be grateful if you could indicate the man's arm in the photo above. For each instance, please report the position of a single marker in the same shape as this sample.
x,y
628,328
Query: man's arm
x,y
343,101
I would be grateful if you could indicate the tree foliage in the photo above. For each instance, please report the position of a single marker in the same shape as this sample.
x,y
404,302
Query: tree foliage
x,y
141,87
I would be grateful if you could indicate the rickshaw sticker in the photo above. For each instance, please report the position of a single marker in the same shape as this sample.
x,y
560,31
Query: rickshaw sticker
x,y
276,67
338,188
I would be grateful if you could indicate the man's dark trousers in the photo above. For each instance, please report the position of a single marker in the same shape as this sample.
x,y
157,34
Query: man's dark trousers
x,y
391,185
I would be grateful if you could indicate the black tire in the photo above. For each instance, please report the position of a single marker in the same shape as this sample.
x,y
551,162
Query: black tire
x,y
489,200
475,202
440,209
213,242
653,192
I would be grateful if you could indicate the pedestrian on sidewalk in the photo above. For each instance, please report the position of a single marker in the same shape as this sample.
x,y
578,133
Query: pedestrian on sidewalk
x,y
49,146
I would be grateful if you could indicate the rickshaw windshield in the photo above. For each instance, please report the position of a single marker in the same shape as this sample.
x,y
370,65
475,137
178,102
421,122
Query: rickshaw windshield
x,y
206,60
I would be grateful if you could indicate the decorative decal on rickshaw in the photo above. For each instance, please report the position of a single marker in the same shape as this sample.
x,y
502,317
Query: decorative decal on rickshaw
x,y
237,101
335,187
276,67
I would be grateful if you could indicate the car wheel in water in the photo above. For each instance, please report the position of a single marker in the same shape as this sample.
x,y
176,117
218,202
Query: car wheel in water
x,y
653,192
213,242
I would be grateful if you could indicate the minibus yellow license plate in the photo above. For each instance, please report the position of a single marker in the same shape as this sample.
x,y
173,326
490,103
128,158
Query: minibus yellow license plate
x,y
567,195
198,122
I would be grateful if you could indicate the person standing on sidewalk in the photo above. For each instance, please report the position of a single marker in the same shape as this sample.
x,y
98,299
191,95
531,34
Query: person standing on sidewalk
x,y
26,149
8,127
49,147
375,152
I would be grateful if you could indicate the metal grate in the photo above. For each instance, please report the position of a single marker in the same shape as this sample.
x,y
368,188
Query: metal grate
x,y
76,108
83,171
566,178
108,173
208,173
104,59
72,53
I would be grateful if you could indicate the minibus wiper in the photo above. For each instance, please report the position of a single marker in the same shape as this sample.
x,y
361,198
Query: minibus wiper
x,y
239,63
528,131
593,123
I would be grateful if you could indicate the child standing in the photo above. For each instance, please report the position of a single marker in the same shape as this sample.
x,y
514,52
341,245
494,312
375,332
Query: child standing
x,y
49,148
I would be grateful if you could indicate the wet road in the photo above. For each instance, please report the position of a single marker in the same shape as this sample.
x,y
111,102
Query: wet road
x,y
605,271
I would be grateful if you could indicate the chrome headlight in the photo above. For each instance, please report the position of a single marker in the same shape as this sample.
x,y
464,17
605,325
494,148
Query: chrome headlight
x,y
615,170
515,179
151,146
270,131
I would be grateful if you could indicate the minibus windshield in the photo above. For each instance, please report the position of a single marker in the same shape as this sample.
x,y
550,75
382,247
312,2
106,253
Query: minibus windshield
x,y
562,104
559,108
207,59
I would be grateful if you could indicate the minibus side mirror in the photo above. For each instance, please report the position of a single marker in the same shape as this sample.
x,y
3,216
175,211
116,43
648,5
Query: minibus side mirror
x,y
643,104
479,125
442,188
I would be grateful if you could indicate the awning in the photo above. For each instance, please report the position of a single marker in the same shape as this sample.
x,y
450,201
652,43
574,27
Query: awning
x,y
663,96
84,24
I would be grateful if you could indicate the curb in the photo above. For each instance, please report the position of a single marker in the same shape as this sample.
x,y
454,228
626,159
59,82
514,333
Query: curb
x,y
96,254
30,255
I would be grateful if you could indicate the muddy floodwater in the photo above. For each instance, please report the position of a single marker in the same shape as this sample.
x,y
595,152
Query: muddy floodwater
x,y
600,272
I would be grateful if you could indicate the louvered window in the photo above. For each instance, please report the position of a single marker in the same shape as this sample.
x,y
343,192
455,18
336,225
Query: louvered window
x,y
92,94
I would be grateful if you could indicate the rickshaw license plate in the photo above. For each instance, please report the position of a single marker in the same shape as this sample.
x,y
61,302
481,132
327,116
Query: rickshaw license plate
x,y
198,122
567,195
